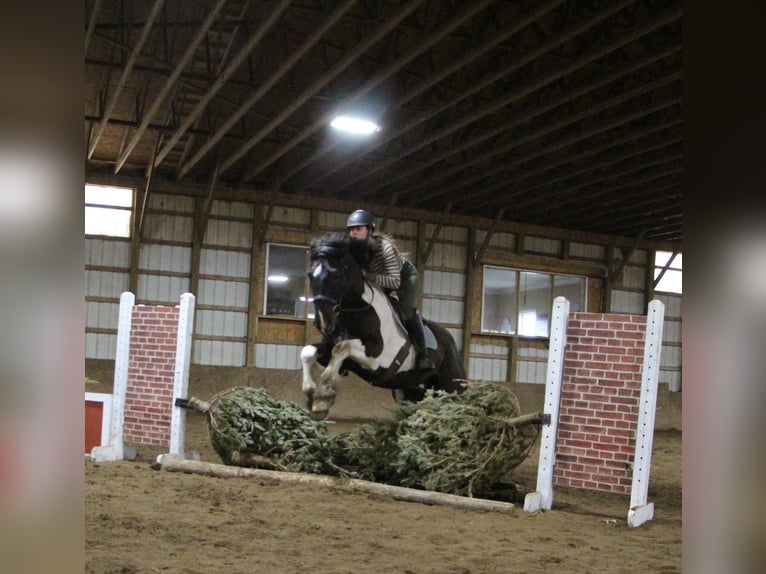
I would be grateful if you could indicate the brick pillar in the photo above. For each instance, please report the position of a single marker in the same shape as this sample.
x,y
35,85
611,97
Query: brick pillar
x,y
151,367
601,387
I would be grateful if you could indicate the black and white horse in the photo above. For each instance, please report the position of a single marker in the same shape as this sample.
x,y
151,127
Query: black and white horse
x,y
363,333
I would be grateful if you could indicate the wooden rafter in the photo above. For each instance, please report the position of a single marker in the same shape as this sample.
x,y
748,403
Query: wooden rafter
x,y
115,94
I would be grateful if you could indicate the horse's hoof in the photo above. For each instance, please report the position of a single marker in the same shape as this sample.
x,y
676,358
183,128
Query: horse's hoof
x,y
318,415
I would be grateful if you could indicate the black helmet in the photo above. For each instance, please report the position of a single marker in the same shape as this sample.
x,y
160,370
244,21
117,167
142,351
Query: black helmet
x,y
361,217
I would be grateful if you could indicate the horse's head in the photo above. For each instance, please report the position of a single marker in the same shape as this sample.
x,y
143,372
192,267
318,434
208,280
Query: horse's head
x,y
335,278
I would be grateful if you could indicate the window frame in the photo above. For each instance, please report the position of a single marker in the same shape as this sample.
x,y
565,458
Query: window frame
x,y
308,307
111,207
662,270
551,280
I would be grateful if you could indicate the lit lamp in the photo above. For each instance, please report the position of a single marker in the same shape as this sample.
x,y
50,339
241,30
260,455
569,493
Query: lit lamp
x,y
354,125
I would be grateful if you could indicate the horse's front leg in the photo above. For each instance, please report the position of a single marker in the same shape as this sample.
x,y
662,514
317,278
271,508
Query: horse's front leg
x,y
319,396
349,349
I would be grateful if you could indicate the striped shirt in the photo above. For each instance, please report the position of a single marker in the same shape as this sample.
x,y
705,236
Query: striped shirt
x,y
386,266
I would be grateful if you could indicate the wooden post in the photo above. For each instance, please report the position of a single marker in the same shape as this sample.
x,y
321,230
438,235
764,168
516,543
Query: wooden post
x,y
468,309
257,264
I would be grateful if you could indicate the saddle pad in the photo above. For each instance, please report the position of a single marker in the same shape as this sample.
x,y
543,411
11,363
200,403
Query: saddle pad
x,y
395,313
429,336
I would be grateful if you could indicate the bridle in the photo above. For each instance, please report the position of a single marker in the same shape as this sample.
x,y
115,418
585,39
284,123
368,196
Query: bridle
x,y
337,304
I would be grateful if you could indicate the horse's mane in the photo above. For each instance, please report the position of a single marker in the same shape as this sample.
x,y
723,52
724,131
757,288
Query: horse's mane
x,y
333,245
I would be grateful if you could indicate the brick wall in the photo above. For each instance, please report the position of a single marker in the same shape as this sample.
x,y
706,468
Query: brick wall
x,y
600,392
151,369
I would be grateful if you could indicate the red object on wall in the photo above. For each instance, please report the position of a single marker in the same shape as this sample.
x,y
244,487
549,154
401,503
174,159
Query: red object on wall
x,y
94,415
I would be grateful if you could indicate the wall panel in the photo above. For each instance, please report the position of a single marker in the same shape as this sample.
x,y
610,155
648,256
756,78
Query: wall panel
x,y
223,300
271,356
104,283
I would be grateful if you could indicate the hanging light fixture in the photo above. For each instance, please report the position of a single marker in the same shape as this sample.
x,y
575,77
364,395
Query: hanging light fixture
x,y
354,125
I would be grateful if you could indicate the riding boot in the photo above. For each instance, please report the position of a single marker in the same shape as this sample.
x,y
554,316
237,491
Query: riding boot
x,y
415,329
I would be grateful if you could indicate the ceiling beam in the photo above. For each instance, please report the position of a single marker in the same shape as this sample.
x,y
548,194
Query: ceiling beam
x,y
318,84
442,73
264,26
147,190
160,128
207,205
264,88
169,84
623,224
613,273
643,198
569,196
480,252
115,95
188,143
641,113
635,218
92,23
548,129
392,201
193,82
421,47
476,87
653,226
547,168
672,232
436,233
513,123
565,196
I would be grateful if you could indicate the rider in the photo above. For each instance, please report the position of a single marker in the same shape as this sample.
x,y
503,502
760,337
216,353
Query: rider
x,y
391,272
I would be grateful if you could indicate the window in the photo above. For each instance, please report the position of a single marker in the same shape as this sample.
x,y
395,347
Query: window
x,y
499,305
287,291
534,303
670,281
519,302
108,210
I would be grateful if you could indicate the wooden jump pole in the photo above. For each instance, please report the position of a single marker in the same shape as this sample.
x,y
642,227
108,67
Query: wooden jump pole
x,y
351,484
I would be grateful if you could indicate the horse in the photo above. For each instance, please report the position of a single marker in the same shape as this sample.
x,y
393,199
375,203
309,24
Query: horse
x,y
362,332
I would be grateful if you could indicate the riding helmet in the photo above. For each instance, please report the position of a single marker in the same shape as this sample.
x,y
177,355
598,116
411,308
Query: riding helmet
x,y
361,217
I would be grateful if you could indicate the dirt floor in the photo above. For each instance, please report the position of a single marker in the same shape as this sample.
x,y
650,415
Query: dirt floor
x,y
144,520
